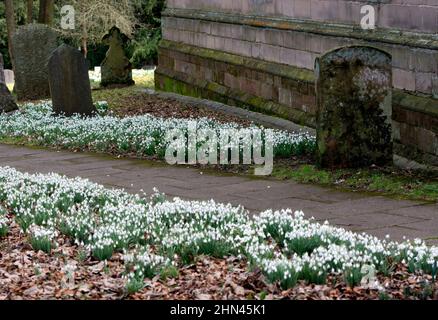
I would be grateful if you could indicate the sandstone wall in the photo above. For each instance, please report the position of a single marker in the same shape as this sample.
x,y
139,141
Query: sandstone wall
x,y
412,15
260,54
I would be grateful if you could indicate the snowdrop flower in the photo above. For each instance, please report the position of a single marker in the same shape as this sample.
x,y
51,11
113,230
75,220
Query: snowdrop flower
x,y
283,244
143,135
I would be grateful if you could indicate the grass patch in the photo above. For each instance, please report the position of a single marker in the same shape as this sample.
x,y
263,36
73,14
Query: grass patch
x,y
120,97
117,97
389,181
303,174
14,140
145,80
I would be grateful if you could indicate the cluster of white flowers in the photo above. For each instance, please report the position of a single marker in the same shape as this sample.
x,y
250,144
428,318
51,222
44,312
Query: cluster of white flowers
x,y
143,263
3,220
43,233
283,244
102,107
4,225
42,237
143,135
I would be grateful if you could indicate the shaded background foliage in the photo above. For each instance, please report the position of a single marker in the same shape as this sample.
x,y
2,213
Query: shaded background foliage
x,y
142,48
20,17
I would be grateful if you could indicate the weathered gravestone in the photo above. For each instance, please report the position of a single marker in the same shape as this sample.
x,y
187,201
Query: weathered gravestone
x,y
116,68
7,103
32,46
69,82
354,94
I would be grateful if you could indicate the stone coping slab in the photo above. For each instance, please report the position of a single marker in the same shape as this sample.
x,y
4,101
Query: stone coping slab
x,y
384,35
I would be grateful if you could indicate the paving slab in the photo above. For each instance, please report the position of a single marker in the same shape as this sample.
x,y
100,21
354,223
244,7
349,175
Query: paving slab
x,y
376,215
370,204
371,221
427,211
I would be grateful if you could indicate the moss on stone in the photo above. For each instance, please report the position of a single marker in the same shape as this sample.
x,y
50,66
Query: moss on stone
x,y
116,67
416,103
413,153
251,63
354,108
217,92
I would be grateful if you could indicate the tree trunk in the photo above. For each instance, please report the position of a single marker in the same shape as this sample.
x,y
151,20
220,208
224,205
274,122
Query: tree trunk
x,y
84,47
29,11
84,40
10,23
47,8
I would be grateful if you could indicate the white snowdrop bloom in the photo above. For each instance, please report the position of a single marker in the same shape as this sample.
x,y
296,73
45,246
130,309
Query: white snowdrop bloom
x,y
144,135
283,244
4,221
38,232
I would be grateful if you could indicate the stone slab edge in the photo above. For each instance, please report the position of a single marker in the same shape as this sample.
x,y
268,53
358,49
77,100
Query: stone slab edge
x,y
278,69
391,36
258,118
189,86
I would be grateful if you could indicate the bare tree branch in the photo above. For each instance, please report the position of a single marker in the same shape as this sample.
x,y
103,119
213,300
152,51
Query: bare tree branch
x,y
94,18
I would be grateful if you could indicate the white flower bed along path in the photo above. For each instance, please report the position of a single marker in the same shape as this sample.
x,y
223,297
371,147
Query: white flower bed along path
x,y
156,234
143,135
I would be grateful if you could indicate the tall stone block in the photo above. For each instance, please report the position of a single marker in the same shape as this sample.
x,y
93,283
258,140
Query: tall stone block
x,y
69,82
116,67
354,97
32,46
7,103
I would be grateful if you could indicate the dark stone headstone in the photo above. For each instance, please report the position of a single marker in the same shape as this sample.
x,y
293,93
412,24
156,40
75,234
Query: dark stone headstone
x,y
32,46
354,94
116,68
7,103
69,82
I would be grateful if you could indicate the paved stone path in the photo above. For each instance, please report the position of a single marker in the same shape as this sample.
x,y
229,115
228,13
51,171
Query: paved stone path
x,y
359,212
